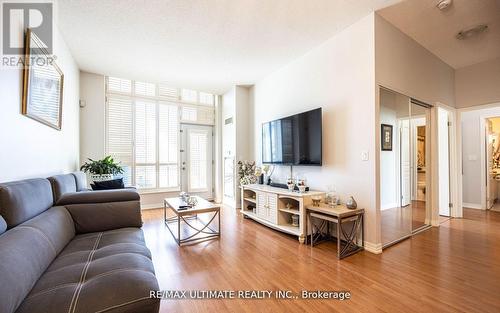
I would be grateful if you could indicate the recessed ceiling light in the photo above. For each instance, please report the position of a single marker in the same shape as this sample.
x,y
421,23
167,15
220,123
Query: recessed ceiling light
x,y
474,31
443,4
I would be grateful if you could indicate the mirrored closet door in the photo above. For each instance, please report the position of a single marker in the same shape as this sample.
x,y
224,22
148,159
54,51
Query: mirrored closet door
x,y
404,160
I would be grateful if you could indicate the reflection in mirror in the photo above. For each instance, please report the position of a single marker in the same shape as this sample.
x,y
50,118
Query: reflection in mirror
x,y
395,167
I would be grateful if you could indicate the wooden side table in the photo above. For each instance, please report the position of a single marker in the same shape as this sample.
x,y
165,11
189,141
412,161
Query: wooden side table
x,y
348,237
204,229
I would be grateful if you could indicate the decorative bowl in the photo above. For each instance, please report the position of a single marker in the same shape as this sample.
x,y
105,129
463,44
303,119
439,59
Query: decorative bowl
x,y
316,200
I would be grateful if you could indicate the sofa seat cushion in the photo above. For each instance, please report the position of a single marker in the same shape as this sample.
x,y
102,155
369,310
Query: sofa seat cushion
x,y
108,271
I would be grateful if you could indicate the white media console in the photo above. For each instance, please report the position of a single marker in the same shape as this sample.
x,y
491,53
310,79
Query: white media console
x,y
275,206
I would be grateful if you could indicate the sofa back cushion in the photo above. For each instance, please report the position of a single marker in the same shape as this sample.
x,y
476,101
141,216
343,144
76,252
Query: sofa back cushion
x,y
24,199
81,181
62,184
26,252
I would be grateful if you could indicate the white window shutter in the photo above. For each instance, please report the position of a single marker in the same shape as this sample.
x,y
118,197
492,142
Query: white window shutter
x,y
168,93
119,85
206,98
168,133
188,95
145,89
145,131
119,134
198,151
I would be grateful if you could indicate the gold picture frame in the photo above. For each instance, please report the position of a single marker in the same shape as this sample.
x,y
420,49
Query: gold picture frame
x,y
43,83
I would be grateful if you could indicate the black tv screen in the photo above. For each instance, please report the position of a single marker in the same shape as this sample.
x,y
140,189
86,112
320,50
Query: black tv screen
x,y
293,140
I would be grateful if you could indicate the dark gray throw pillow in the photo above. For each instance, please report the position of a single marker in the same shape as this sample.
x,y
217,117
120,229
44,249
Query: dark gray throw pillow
x,y
108,184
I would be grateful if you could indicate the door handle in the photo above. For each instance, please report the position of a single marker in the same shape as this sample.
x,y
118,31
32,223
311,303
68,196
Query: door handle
x,y
183,168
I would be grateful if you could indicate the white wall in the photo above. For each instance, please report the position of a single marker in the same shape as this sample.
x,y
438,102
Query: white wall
x,y
237,137
339,77
405,66
92,116
478,84
29,148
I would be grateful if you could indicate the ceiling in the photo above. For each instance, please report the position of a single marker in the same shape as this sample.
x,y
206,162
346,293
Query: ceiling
x,y
436,30
208,45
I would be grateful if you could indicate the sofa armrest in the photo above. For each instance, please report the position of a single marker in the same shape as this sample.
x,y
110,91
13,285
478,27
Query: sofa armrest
x,y
97,217
100,196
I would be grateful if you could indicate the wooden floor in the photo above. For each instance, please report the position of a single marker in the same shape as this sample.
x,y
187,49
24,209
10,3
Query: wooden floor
x,y
453,268
401,221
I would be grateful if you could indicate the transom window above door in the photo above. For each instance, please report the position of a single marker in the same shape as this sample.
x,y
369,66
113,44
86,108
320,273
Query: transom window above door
x,y
143,126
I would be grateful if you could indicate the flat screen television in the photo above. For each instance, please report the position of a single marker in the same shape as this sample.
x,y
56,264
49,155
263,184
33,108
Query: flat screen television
x,y
293,140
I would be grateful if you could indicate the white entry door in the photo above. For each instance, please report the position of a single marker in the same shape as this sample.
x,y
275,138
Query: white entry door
x,y
405,165
197,160
443,162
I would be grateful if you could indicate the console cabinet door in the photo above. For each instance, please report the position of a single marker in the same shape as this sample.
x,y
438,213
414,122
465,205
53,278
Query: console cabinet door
x,y
261,204
272,208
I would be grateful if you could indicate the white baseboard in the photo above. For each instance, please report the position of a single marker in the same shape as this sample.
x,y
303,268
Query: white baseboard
x,y
151,206
472,206
373,247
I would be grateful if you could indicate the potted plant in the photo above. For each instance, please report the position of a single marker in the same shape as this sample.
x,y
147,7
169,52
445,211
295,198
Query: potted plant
x,y
101,170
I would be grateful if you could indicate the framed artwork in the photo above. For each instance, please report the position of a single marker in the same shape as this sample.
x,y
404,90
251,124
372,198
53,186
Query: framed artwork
x,y
42,84
386,136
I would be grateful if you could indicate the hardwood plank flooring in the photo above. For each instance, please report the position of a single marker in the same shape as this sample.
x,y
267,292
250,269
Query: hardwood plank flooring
x,y
453,268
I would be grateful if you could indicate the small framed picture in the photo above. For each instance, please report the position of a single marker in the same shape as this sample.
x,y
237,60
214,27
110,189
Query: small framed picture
x,y
386,136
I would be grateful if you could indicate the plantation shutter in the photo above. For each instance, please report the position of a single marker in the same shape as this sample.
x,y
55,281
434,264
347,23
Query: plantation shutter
x,y
143,122
119,85
168,145
168,93
119,132
197,114
145,143
145,89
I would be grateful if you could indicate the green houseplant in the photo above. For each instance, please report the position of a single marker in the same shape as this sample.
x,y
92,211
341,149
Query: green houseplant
x,y
103,169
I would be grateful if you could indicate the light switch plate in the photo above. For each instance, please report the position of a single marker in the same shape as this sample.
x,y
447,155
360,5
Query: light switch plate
x,y
364,155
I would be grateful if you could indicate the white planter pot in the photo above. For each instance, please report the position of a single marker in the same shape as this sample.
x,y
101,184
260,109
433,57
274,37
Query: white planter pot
x,y
103,177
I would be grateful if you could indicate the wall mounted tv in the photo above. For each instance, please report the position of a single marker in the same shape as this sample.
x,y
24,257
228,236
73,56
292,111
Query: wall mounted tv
x,y
293,140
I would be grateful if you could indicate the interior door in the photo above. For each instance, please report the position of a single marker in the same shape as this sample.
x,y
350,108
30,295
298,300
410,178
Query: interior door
x,y
197,160
443,162
405,157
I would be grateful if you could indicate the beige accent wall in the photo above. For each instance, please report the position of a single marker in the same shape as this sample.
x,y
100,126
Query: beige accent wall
x,y
478,84
403,65
92,116
338,76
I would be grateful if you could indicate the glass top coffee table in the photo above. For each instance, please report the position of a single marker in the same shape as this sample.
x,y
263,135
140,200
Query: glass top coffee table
x,y
199,229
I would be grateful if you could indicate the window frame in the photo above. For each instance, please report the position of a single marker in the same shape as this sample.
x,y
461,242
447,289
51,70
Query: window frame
x,y
158,100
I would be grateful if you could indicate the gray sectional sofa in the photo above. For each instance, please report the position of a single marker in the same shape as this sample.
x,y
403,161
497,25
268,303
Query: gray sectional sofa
x,y
66,249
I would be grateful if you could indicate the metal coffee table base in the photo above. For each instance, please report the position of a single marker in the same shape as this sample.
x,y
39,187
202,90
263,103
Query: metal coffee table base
x,y
205,228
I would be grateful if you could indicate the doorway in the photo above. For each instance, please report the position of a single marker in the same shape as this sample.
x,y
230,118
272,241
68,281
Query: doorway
x,y
492,162
197,160
404,166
